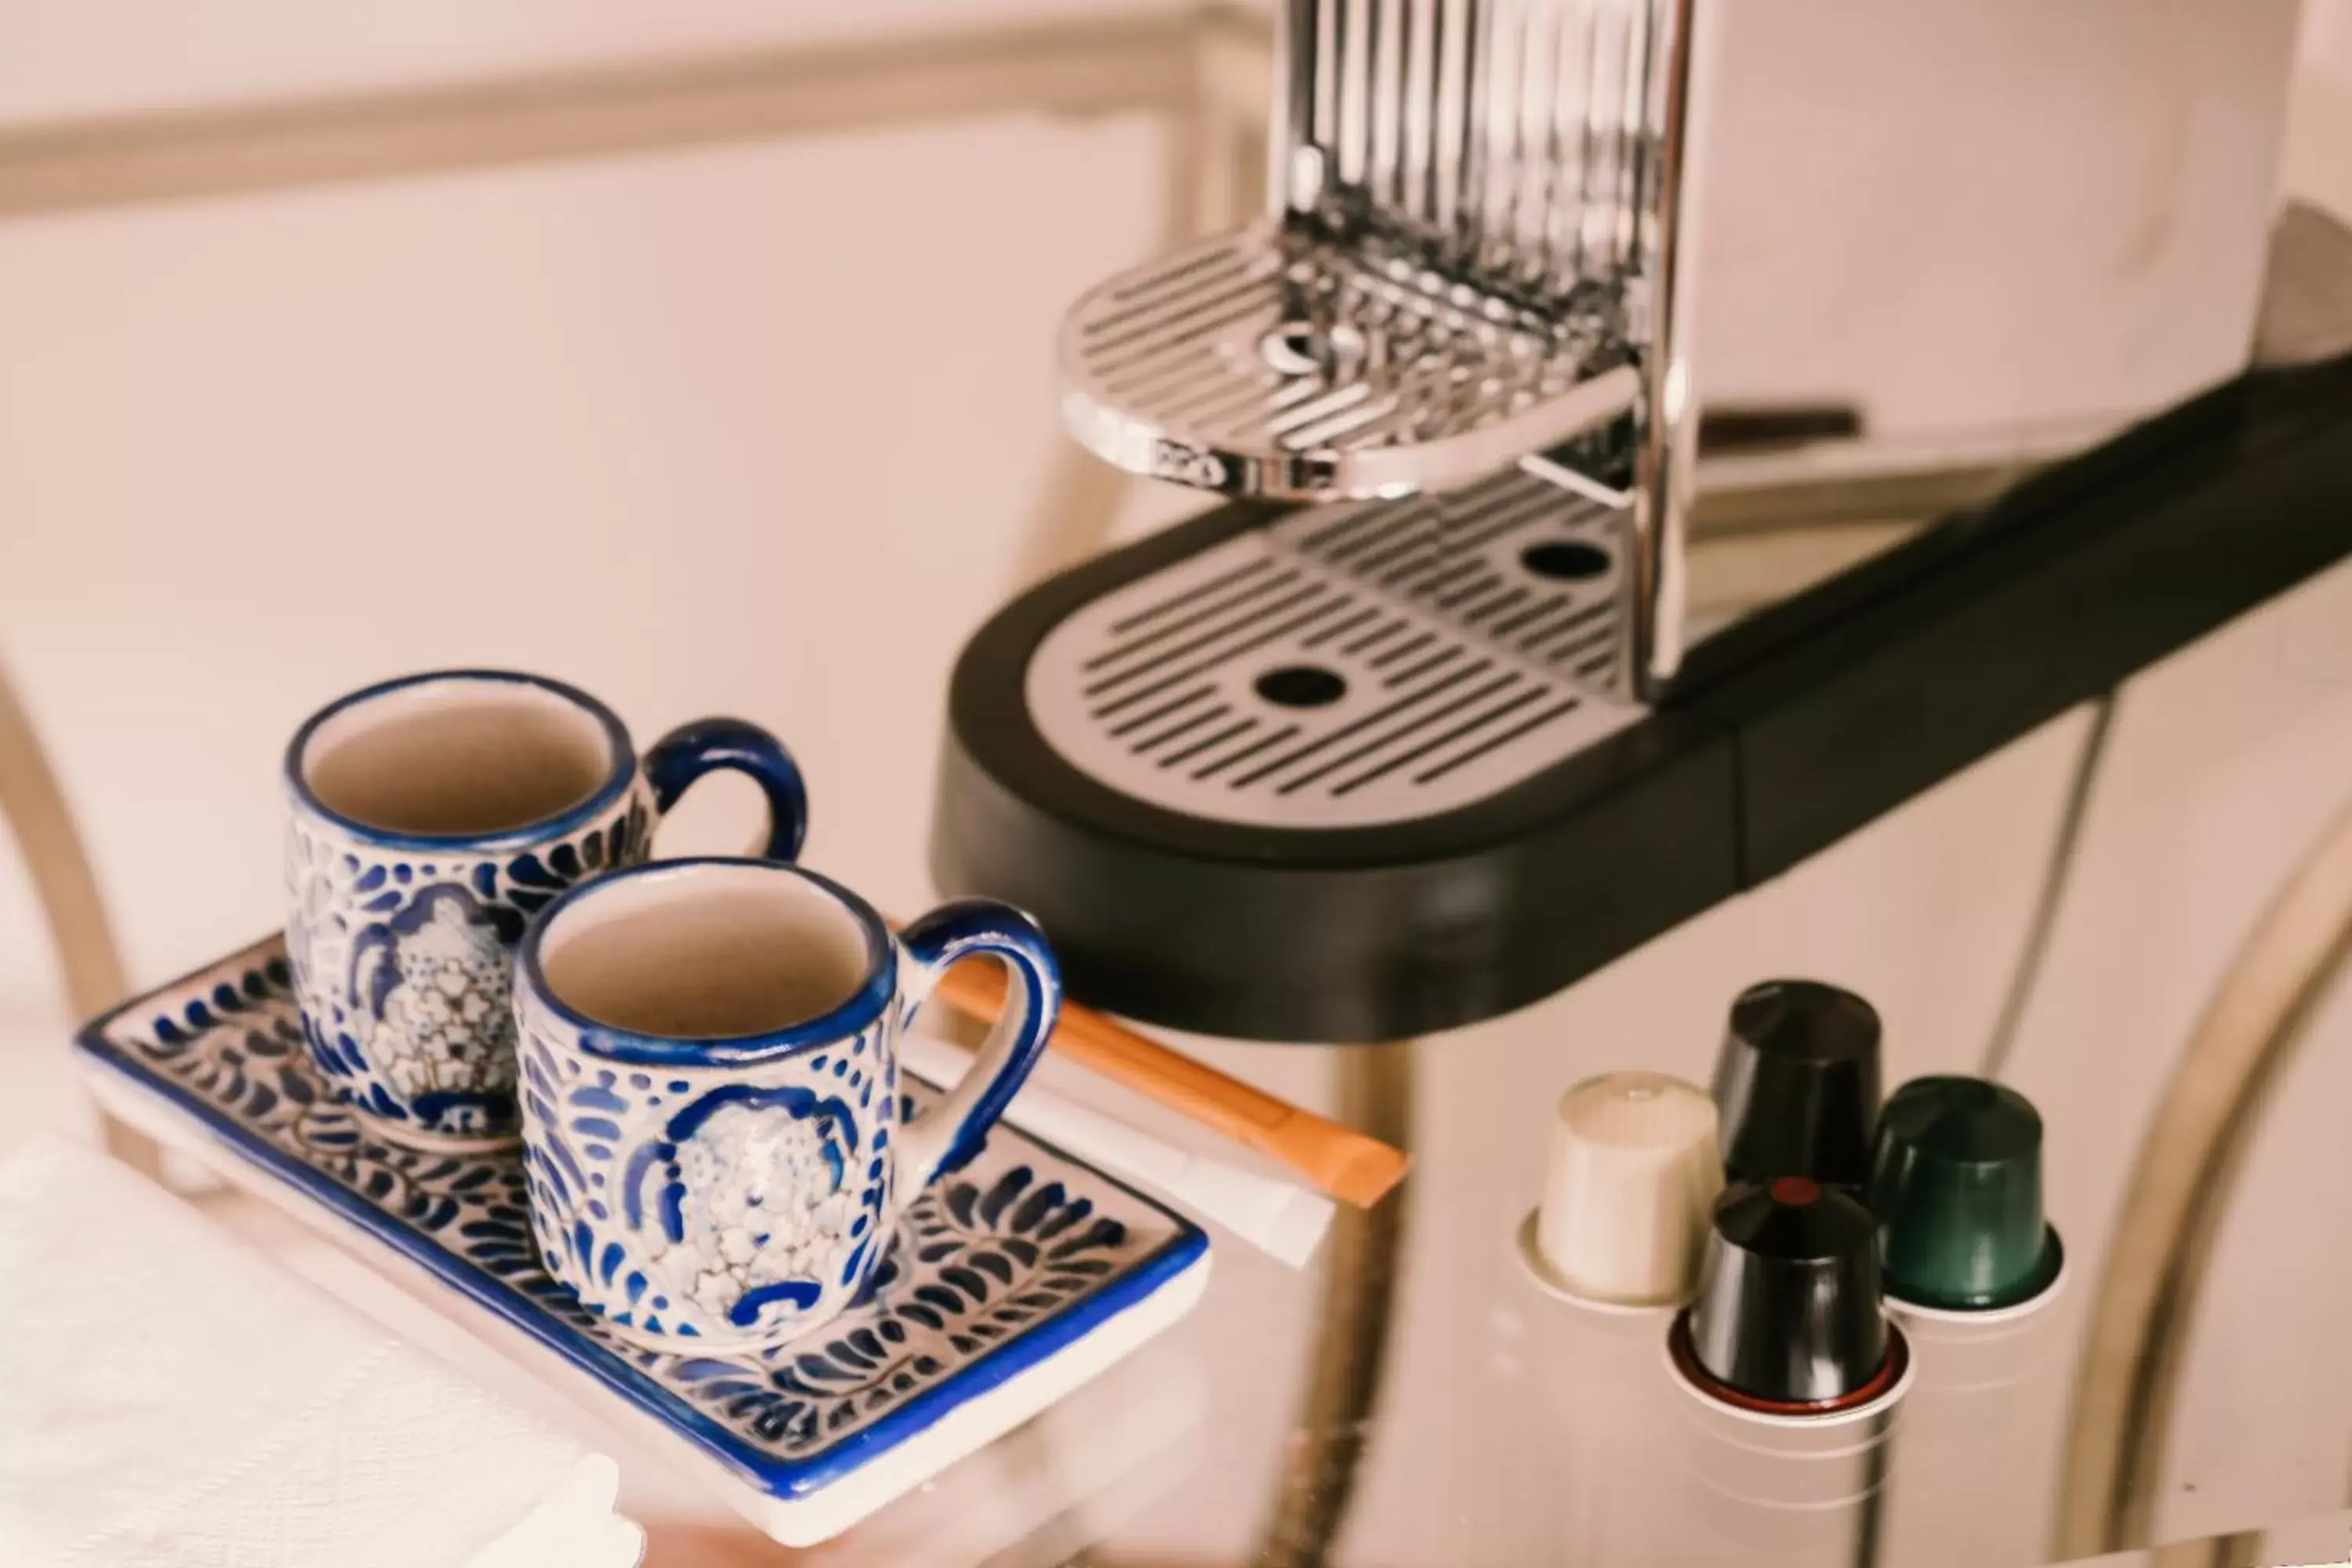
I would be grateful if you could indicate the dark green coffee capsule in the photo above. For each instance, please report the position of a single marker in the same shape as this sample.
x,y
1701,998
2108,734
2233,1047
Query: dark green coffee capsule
x,y
1956,1185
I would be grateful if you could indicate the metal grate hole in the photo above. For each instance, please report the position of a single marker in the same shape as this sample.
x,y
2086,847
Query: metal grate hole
x,y
1565,560
1301,685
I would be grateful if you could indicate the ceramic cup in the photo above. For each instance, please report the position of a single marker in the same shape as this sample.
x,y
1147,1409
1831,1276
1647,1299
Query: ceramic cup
x,y
432,816
712,1117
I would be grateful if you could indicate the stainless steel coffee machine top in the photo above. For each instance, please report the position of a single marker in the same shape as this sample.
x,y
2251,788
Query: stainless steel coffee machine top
x,y
1441,284
1725,253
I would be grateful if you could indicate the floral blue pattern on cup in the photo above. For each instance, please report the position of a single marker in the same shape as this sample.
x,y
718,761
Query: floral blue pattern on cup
x,y
402,942
731,1192
736,1202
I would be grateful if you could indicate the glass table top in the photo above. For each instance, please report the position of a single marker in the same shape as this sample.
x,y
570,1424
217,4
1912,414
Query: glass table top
x,y
1414,1395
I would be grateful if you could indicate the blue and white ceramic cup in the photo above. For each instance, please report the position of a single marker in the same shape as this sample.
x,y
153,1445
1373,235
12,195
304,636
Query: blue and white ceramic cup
x,y
712,1119
432,816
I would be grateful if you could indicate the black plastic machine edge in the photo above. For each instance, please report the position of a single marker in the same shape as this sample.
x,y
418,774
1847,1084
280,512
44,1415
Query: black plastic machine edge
x,y
1786,733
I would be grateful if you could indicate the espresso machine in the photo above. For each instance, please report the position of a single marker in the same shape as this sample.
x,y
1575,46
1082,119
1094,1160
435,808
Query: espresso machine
x,y
1656,436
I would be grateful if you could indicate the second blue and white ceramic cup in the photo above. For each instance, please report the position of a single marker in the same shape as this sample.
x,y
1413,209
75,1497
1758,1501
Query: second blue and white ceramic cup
x,y
712,1117
432,816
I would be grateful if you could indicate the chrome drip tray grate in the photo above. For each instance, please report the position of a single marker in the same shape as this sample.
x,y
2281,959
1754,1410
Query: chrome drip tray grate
x,y
1272,360
1350,666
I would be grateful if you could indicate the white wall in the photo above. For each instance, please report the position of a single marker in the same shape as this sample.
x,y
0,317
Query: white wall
x,y
2325,48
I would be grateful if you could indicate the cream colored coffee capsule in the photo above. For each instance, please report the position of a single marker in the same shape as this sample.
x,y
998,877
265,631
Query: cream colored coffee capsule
x,y
1634,1169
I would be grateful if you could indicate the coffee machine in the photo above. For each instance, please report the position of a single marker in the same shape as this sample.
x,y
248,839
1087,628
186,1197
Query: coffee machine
x,y
1610,392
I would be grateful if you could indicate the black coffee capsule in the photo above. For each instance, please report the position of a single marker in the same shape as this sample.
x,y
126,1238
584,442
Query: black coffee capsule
x,y
1786,1315
1796,1084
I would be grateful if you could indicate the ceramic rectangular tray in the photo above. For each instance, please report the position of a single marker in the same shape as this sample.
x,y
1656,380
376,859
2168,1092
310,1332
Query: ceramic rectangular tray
x,y
1009,1283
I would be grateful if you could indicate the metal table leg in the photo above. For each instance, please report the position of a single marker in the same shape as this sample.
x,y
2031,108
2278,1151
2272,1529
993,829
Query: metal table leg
x,y
2181,1188
1360,1284
44,828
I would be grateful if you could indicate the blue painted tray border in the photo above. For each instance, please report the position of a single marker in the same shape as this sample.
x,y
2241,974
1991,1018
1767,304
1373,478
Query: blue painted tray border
x,y
782,1478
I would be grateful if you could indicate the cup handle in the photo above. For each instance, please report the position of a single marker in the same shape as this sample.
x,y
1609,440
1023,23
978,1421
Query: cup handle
x,y
951,1132
706,745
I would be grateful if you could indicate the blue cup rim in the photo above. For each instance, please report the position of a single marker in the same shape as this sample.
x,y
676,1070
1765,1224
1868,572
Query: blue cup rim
x,y
612,1042
621,766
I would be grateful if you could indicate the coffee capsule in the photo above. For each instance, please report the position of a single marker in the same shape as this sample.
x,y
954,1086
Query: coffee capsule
x,y
1956,1185
1786,1319
1797,1084
1632,1178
